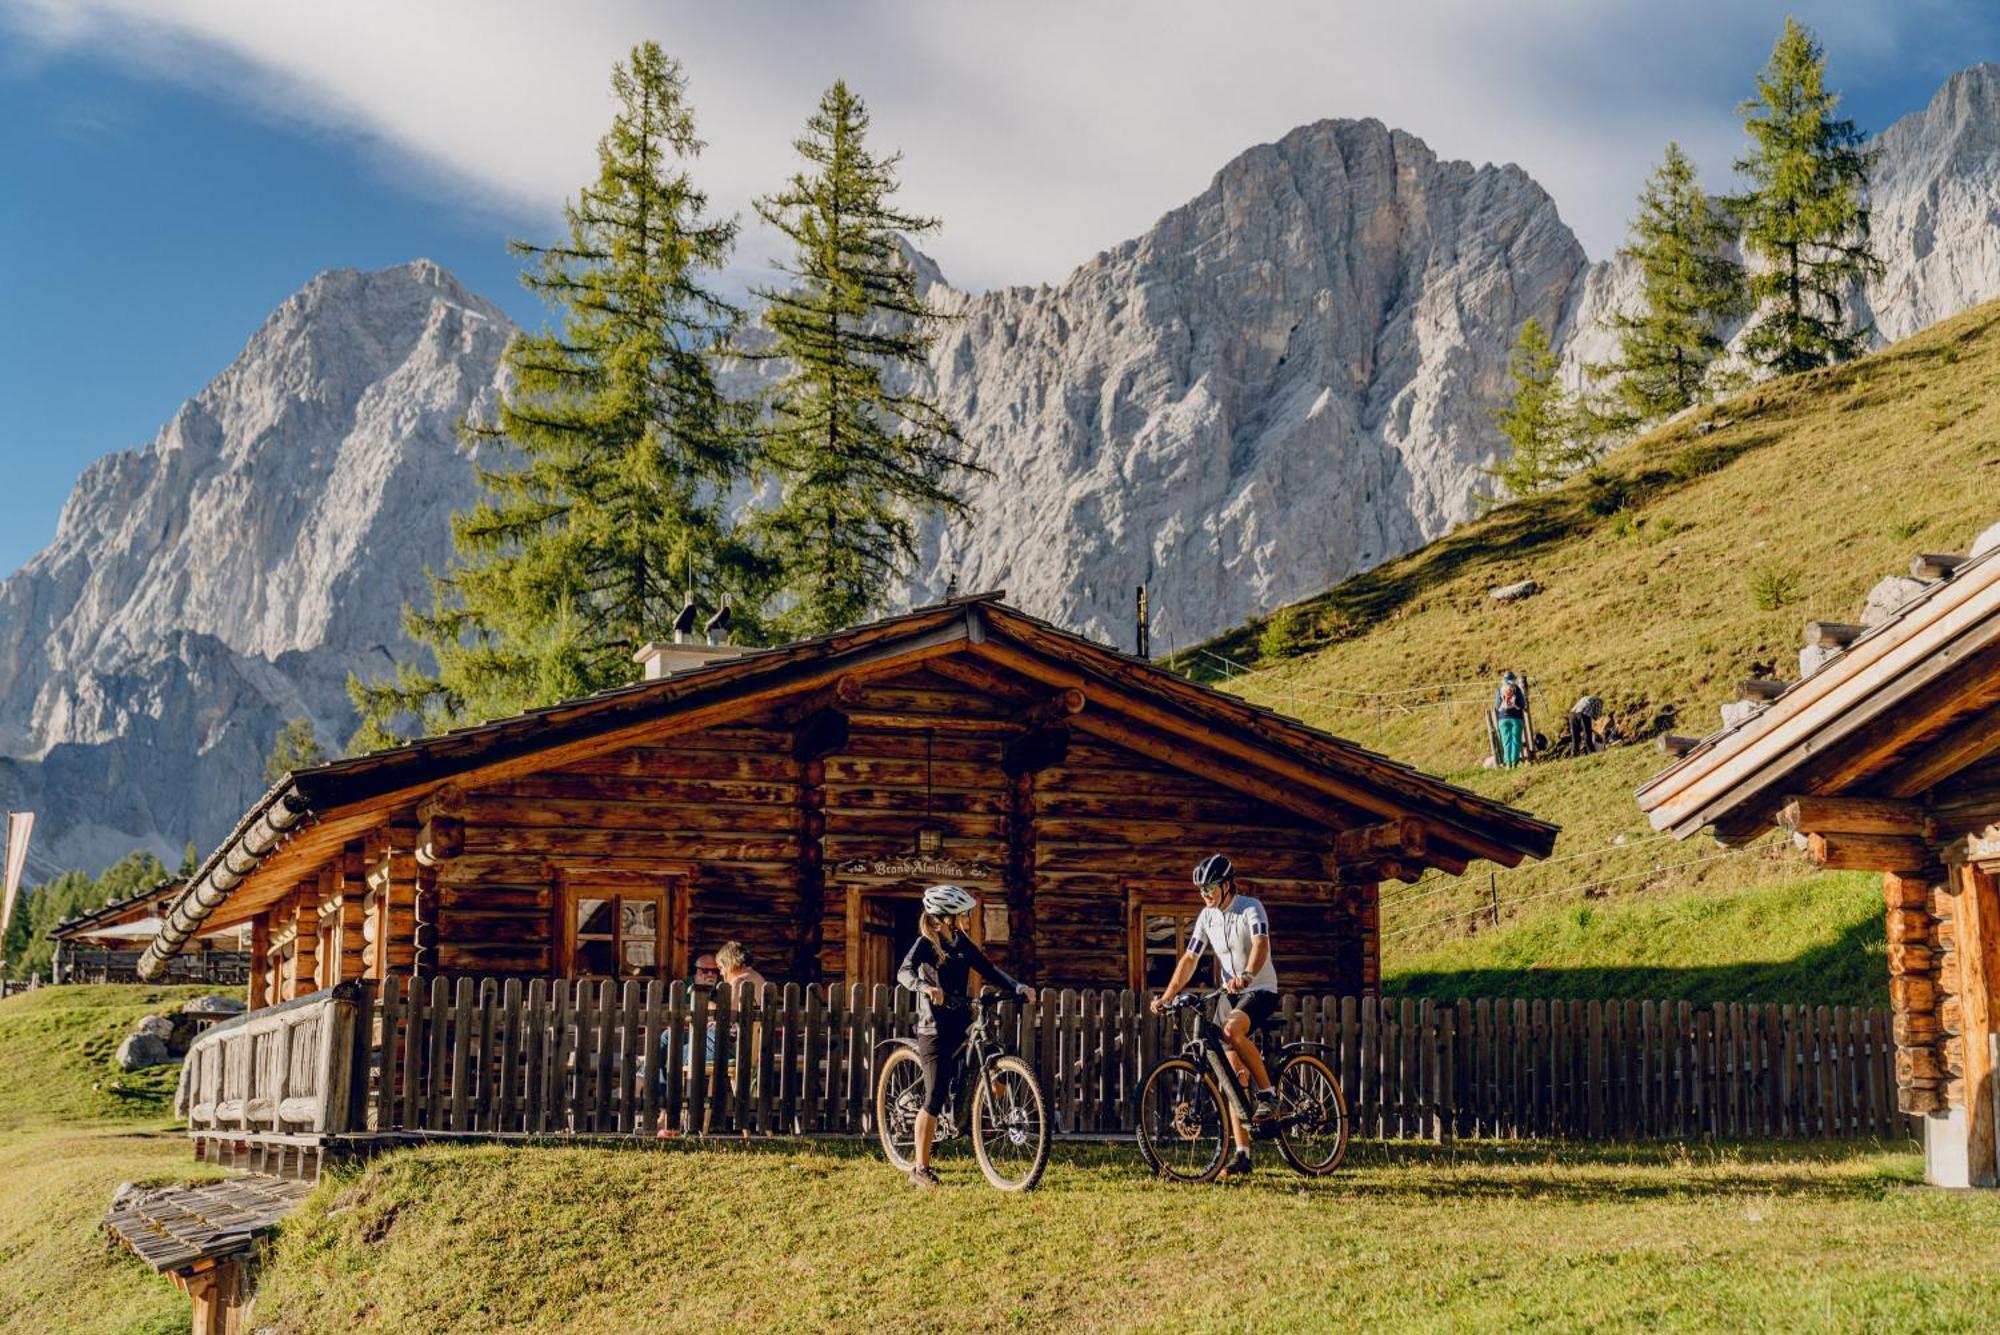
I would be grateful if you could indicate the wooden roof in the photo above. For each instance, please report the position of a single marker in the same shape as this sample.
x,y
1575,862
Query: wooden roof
x,y
119,912
1132,702
174,1229
1906,706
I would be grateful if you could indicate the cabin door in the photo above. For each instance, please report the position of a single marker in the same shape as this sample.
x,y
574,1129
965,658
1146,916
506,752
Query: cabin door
x,y
882,925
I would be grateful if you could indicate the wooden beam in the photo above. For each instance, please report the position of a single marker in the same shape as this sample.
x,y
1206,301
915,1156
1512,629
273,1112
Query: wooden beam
x,y
1935,565
1978,994
1808,814
1761,688
1963,746
1032,752
1372,843
842,693
440,839
1061,705
1832,634
1674,745
1869,852
820,735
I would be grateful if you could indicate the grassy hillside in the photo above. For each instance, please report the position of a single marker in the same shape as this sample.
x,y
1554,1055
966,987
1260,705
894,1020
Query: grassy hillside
x,y
813,1237
1670,571
72,1127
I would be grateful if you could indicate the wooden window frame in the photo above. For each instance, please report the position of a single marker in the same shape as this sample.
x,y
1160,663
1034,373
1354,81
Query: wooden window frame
x,y
1147,899
670,889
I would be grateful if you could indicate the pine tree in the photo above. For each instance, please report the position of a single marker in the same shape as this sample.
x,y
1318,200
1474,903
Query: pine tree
x,y
295,747
1690,287
860,452
190,861
1540,420
1805,218
617,447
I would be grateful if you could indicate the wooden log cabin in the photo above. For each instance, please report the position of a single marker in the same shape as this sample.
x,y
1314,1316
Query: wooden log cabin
x,y
1886,758
798,799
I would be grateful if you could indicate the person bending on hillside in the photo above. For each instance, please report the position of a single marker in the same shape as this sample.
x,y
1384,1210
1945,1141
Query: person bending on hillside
x,y
1238,930
937,970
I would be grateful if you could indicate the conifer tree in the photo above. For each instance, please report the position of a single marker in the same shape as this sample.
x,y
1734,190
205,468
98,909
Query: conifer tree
x,y
1540,419
860,452
295,747
1689,287
616,446
1805,217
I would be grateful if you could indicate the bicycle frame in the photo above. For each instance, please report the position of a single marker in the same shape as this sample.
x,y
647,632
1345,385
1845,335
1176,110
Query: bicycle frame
x,y
1209,1049
980,1050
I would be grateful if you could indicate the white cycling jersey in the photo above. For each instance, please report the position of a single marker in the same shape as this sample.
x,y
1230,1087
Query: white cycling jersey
x,y
1229,932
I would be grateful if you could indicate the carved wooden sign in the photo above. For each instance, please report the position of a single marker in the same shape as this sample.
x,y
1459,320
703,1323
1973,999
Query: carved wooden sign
x,y
933,866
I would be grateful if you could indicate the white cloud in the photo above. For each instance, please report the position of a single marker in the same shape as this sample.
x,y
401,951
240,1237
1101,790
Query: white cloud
x,y
1041,131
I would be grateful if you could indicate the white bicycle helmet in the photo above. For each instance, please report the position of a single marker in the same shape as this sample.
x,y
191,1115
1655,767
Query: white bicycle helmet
x,y
948,900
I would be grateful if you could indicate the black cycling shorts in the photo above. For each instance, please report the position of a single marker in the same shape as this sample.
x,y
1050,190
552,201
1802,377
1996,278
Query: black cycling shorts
x,y
935,1049
1260,1005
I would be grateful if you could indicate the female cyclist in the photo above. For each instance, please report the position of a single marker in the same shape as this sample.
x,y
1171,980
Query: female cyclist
x,y
936,969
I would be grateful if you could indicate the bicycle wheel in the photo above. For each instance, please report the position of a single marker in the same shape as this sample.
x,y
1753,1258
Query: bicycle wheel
x,y
899,1097
1311,1115
1010,1126
1182,1130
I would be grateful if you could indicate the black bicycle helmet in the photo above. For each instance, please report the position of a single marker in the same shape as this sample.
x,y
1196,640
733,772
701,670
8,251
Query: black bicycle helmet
x,y
1213,870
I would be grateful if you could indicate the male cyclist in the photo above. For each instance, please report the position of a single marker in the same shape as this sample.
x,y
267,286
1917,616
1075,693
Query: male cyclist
x,y
1238,930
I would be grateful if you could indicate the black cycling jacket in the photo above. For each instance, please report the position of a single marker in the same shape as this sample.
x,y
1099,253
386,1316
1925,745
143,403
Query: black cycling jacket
x,y
947,969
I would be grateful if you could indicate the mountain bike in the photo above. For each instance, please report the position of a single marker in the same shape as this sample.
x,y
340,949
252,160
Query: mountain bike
x,y
1184,1102
1008,1116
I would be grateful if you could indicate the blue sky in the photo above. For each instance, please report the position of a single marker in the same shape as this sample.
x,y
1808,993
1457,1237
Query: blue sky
x,y
171,170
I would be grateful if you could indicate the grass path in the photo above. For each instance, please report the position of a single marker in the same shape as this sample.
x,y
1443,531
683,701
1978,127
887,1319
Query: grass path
x,y
807,1238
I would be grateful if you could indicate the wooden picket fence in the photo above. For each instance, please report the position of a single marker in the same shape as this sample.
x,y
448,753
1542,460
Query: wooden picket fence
x,y
561,1058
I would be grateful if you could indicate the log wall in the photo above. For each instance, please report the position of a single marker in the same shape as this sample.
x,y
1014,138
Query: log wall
x,y
758,838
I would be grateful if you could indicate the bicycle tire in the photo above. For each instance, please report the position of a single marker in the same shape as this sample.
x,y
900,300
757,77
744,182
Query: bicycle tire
x,y
1307,1087
1182,1129
1022,1124
901,1073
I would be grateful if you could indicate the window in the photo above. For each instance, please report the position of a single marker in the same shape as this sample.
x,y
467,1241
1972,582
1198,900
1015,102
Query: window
x,y
617,934
1158,934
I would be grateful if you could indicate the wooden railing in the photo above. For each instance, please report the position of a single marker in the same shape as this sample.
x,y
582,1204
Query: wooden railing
x,y
484,1057
285,1071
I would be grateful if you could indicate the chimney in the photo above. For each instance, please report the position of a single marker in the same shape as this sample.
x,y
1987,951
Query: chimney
x,y
659,659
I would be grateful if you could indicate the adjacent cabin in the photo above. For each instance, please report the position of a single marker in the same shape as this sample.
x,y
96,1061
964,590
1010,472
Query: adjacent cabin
x,y
1885,756
798,799
105,944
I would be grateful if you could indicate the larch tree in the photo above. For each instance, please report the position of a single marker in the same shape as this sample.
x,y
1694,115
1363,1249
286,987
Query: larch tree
x,y
1805,217
858,451
1540,419
616,448
1690,287
295,747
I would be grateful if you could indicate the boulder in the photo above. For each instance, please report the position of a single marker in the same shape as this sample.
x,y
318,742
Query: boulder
x,y
1513,593
1885,598
217,1004
155,1026
1740,711
1816,656
139,1051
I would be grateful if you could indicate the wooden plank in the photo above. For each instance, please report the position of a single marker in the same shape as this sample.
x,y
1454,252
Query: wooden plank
x,y
462,1017
715,1117
742,1098
507,1070
534,1054
1350,1053
1595,1065
790,1040
482,1097
631,1017
1869,852
437,1071
388,1046
676,1058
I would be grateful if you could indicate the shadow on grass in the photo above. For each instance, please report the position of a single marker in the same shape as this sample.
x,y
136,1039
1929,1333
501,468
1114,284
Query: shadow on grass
x,y
1850,971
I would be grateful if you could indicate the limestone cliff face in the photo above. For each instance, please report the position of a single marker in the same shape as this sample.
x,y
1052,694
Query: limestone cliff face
x,y
231,573
1288,379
